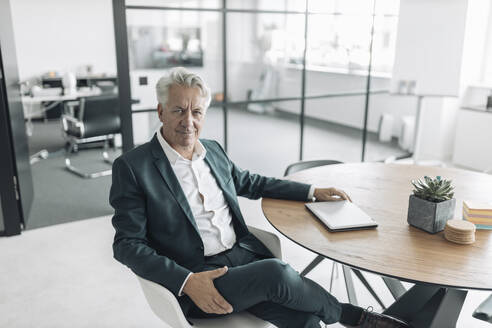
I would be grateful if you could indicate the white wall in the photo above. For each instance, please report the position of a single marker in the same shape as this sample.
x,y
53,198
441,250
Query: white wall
x,y
475,42
59,35
486,73
439,116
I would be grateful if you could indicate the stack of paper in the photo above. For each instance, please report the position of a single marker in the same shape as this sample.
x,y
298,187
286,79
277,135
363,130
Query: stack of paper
x,y
479,213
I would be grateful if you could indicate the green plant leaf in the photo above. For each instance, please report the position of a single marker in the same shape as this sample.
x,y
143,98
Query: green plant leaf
x,y
435,190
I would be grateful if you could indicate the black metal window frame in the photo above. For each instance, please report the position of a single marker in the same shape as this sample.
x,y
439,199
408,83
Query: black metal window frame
x,y
123,69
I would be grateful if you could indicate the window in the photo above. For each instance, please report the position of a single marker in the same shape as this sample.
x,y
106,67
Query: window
x,y
338,36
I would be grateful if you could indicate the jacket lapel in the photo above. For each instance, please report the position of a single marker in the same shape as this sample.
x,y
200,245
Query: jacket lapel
x,y
210,160
164,167
229,195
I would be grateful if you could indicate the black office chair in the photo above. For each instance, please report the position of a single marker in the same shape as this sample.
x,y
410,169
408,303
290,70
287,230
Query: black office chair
x,y
395,287
94,119
304,165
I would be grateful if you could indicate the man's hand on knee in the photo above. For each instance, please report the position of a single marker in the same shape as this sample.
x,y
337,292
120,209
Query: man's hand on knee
x,y
200,288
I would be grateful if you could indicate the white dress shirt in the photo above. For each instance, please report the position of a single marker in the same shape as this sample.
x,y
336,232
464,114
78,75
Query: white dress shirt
x,y
208,205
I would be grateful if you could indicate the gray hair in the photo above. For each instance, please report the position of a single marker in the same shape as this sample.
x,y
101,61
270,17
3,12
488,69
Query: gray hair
x,y
181,76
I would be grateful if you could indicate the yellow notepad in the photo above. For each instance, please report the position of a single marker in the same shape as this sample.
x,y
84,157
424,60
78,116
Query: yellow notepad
x,y
477,207
477,219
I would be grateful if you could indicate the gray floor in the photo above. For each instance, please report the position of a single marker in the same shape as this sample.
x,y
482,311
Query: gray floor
x,y
60,196
264,144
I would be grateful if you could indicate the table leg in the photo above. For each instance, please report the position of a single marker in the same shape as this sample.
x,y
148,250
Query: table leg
x,y
317,260
349,285
406,306
369,287
334,273
427,306
395,287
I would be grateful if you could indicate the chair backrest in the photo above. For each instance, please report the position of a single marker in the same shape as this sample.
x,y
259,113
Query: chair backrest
x,y
304,165
270,240
100,115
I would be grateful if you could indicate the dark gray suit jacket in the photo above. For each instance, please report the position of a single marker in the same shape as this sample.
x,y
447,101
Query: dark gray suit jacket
x,y
156,234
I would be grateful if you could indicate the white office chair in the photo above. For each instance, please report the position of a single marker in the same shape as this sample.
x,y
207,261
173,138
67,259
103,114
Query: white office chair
x,y
166,306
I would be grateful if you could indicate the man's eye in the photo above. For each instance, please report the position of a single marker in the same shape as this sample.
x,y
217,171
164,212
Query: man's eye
x,y
197,112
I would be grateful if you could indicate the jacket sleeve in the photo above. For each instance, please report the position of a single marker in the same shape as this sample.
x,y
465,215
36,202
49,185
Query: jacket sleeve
x,y
130,245
254,186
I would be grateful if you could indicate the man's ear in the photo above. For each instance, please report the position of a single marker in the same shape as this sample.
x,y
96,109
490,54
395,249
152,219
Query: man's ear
x,y
160,110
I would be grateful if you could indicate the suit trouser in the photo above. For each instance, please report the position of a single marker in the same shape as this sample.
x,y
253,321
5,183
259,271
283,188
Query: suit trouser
x,y
270,290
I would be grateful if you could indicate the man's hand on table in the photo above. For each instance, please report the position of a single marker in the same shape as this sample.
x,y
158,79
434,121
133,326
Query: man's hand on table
x,y
200,288
330,194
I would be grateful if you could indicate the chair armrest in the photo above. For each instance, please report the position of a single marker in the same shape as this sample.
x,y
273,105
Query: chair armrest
x,y
270,240
70,119
72,126
163,303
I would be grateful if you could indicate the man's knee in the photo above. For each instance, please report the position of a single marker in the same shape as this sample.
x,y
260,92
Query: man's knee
x,y
278,272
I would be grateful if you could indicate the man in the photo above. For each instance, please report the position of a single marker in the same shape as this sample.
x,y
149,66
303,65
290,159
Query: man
x,y
178,223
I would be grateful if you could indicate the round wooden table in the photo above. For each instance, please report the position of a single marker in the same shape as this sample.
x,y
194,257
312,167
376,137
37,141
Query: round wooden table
x,y
395,249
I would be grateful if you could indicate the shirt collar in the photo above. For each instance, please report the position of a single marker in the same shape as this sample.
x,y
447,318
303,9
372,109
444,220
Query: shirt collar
x,y
173,156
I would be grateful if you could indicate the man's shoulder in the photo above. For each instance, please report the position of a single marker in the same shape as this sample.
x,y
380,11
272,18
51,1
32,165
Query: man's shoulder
x,y
211,145
137,154
209,142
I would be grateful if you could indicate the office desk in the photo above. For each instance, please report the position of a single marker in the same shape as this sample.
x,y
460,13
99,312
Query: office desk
x,y
32,105
442,271
74,96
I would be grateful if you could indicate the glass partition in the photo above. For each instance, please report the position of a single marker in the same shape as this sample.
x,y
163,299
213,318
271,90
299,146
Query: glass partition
x,y
213,128
67,69
332,129
264,136
390,116
260,48
177,3
270,76
161,39
267,5
265,143
336,77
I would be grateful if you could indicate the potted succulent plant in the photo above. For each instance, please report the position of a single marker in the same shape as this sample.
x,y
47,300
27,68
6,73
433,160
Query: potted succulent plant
x,y
432,204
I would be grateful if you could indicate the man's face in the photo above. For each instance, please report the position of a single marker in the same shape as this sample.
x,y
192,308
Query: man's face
x,y
183,116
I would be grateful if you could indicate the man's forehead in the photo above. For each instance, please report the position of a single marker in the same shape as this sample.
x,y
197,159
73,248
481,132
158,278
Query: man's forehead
x,y
184,95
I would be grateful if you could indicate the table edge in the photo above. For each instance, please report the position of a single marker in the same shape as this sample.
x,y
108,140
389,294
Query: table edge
x,y
414,281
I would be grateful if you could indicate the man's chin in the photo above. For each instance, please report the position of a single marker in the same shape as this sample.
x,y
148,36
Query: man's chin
x,y
188,141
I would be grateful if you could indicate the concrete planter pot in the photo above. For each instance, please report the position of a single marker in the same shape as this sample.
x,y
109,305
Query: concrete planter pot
x,y
430,216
